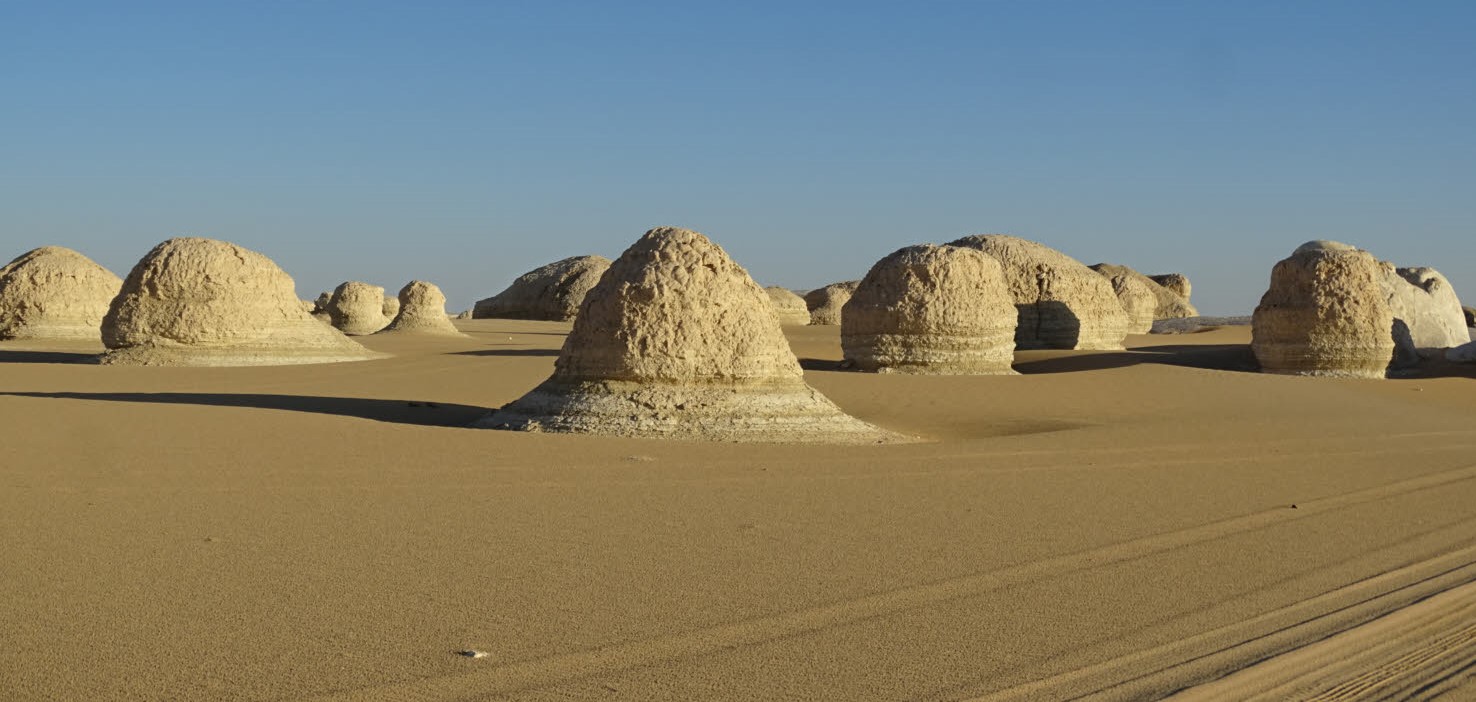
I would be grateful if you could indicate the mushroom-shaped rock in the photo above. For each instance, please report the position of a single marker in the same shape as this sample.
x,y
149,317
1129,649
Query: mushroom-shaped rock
x,y
677,341
391,307
1135,296
552,292
1177,283
357,308
1062,304
54,293
1167,304
825,304
202,302
931,309
1426,311
422,310
1326,313
788,307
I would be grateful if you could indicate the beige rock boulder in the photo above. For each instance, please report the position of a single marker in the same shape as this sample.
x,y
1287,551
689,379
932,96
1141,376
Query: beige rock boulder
x,y
677,341
202,302
940,310
552,292
1062,304
825,304
1326,313
357,308
465,314
54,293
1135,296
391,307
1427,314
1177,283
1168,304
788,307
422,310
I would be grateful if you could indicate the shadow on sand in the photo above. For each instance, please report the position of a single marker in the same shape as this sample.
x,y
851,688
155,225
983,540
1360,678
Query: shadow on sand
x,y
7,356
429,414
1226,357
507,352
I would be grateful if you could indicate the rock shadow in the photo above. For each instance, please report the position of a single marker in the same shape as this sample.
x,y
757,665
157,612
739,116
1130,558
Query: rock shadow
x,y
1222,357
416,412
507,352
9,356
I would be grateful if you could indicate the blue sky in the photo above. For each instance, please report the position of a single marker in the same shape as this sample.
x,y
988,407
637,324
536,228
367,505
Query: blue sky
x,y
465,143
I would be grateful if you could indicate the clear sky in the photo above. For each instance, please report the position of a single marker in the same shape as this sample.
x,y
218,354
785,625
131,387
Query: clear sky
x,y
465,143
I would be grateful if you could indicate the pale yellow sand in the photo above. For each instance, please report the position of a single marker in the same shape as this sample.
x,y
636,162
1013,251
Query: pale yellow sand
x,y
1106,521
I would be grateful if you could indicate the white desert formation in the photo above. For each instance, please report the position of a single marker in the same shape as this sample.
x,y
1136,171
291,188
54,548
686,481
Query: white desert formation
x,y
1326,313
552,292
677,341
1426,311
202,302
1178,283
357,308
422,310
54,293
1062,304
825,304
391,307
1168,302
788,307
941,310
1135,296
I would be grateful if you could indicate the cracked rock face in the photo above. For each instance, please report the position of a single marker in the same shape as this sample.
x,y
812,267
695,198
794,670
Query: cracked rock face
x,y
202,302
677,341
552,293
357,308
422,310
825,304
1062,304
55,293
931,309
788,307
1326,313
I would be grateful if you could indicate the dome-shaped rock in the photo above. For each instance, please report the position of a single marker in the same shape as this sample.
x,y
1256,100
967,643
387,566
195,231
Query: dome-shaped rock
x,y
1135,296
1167,304
931,309
677,341
1326,313
422,310
54,293
1062,303
391,307
202,302
788,307
357,308
1426,308
552,292
825,304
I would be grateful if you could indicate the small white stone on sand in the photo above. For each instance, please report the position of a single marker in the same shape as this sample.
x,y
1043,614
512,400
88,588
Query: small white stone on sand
x,y
469,653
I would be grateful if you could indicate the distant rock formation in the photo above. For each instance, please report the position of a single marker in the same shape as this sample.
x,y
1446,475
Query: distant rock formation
x,y
422,310
1135,296
1326,313
1177,283
1062,304
788,307
551,293
1168,303
391,307
357,308
932,309
825,303
55,293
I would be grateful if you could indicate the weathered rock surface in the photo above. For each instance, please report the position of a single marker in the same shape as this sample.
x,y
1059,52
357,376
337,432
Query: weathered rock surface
x,y
357,308
54,293
552,292
1168,303
202,302
677,341
1326,313
1427,314
1177,283
1136,297
1061,303
788,307
931,309
825,304
391,307
422,310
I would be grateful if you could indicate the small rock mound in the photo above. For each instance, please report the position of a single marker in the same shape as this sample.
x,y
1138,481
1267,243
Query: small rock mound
x,y
551,293
465,314
1135,296
1177,283
54,293
1326,313
788,307
1167,304
677,341
202,302
422,310
391,307
931,309
825,304
1062,304
357,308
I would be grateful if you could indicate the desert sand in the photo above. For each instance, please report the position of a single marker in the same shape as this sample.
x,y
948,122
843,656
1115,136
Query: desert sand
x,y
1130,524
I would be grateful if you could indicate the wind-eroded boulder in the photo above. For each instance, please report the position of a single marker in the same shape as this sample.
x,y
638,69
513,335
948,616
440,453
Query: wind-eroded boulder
x,y
788,307
931,309
1426,311
422,310
825,304
1167,303
676,341
54,293
1136,298
552,292
1177,283
357,308
1326,313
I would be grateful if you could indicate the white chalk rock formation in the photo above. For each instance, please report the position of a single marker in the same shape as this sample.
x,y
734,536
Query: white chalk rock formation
x,y
1177,283
1168,304
1062,304
357,308
391,307
1427,314
1135,296
788,307
940,310
825,304
202,302
1326,313
677,341
551,293
422,310
54,293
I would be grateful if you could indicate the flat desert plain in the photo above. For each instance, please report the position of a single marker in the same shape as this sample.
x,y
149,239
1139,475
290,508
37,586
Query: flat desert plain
x,y
1118,525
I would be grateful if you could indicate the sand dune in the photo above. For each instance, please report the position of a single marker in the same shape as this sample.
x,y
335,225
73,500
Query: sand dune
x,y
1123,524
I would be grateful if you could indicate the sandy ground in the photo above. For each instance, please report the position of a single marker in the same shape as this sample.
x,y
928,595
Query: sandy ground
x,y
1128,524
